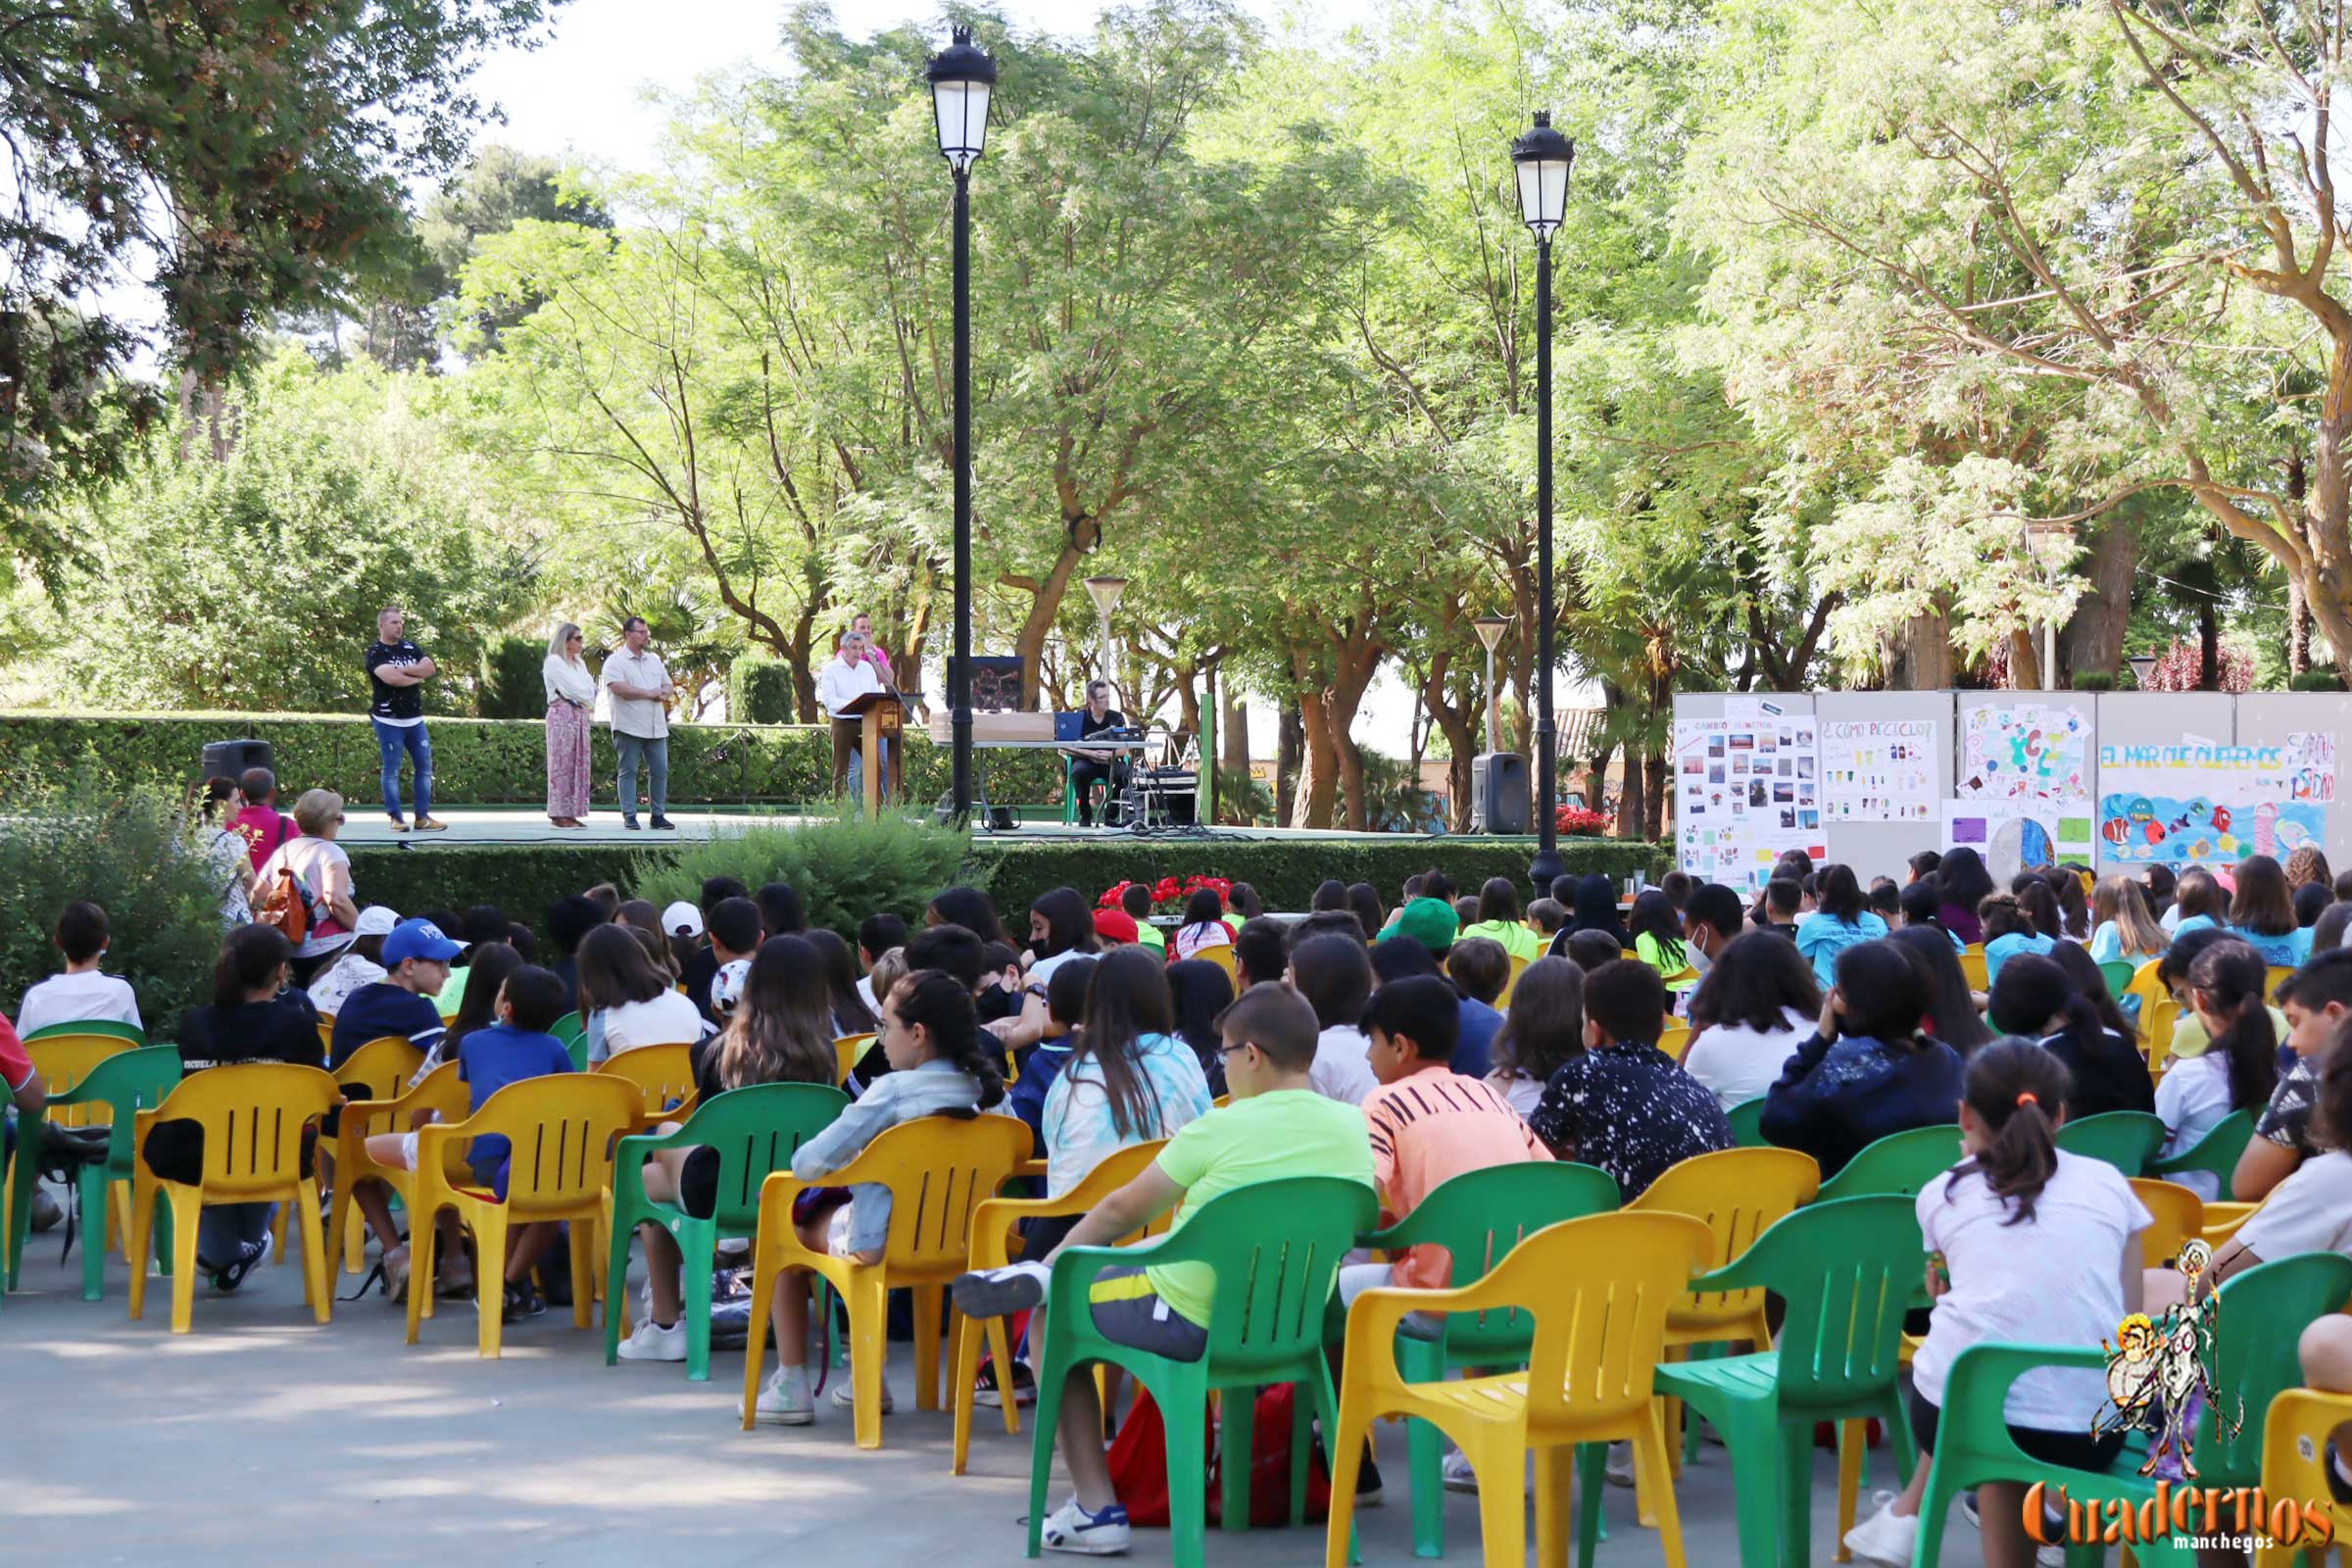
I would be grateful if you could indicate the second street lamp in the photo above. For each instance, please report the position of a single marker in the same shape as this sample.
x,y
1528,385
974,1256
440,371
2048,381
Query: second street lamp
x,y
1542,158
963,80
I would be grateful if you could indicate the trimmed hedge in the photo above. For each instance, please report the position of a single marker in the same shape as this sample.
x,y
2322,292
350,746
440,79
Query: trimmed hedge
x,y
480,761
524,879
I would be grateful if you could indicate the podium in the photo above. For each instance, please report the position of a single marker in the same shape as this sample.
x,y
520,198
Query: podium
x,y
881,715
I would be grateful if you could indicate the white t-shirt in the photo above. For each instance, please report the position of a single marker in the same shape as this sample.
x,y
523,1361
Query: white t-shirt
x,y
669,1020
2193,1098
323,867
339,979
2311,1211
1739,1063
2055,1278
78,998
1042,970
1342,1068
1525,1094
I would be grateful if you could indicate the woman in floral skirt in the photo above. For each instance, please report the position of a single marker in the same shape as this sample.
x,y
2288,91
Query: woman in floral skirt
x,y
570,698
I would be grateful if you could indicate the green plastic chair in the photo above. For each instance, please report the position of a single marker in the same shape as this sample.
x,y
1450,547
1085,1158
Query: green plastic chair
x,y
91,1026
1748,1124
755,1130
2255,1358
1897,1165
1479,1217
129,1083
1973,1445
2118,975
2124,1139
569,1028
577,1045
1275,1250
2214,1154
1845,1271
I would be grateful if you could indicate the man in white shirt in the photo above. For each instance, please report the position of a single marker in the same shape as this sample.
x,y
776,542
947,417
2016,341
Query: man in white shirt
x,y
641,690
846,677
81,995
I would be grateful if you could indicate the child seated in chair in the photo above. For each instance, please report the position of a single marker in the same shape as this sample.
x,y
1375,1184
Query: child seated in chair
x,y
516,1047
1428,1123
939,1065
1277,1126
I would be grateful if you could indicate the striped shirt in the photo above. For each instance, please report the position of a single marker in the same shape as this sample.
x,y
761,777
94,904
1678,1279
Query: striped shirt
x,y
1427,1129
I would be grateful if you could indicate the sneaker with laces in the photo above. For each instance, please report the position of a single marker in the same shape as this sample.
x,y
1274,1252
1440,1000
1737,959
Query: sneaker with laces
x,y
1621,1464
844,1397
650,1342
1070,1528
1885,1537
250,1256
1000,1292
523,1300
1024,1386
1457,1472
785,1399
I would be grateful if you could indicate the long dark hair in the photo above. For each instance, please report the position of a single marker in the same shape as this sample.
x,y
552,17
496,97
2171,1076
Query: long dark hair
x,y
1198,991
1069,923
492,962
2264,902
616,969
2073,904
1126,1000
972,909
1890,992
2232,976
1952,1017
249,955
1545,1025
1837,893
2031,990
851,1014
2091,985
1595,908
938,1003
2040,906
1498,899
2016,1089
1364,898
2199,892
1203,906
1961,878
1330,894
1335,976
782,911
781,1031
1752,983
1654,917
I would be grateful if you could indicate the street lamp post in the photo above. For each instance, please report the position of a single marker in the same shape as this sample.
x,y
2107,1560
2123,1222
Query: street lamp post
x,y
1104,592
2142,666
1542,158
963,78
1489,629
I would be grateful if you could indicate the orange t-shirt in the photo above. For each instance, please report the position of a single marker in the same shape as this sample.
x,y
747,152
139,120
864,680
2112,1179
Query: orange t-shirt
x,y
1428,1129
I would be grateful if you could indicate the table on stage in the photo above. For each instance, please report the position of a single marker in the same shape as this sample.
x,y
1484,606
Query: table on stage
x,y
1019,732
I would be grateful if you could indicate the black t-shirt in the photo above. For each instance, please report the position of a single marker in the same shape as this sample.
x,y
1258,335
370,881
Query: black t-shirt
x,y
394,702
702,967
1089,726
282,1029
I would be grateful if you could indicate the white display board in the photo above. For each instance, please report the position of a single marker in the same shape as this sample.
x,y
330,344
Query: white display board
x,y
1747,786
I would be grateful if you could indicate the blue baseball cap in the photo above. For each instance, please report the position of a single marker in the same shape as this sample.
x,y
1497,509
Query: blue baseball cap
x,y
419,939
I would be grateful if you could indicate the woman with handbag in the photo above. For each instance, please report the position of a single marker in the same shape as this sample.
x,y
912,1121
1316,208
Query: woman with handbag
x,y
570,698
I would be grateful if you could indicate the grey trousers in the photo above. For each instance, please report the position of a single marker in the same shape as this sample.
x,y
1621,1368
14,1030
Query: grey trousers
x,y
655,754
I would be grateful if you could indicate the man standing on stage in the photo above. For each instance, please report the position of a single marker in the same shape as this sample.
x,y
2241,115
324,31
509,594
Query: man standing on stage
x,y
893,751
396,669
844,679
1089,768
640,689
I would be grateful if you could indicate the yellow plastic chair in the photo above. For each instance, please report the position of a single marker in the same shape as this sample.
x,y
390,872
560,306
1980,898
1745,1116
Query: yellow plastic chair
x,y
442,1093
2150,990
2294,1464
2158,1020
1972,970
1518,968
993,1234
326,1034
2222,1221
562,1128
938,1172
2179,1215
64,1058
1675,1036
1601,1291
1222,957
664,1080
2274,978
376,1069
254,1115
845,1052
1737,1194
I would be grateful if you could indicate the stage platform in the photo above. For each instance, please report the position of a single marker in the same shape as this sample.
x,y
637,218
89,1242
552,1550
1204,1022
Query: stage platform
x,y
473,827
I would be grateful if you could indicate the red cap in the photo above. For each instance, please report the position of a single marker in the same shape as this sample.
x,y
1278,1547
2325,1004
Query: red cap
x,y
1116,924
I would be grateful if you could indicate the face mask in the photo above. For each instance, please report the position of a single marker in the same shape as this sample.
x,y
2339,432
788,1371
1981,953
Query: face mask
x,y
1698,959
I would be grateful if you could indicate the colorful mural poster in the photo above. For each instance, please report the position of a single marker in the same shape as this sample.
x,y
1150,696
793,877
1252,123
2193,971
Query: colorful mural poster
x,y
1747,791
2029,751
2020,833
2201,801
1879,771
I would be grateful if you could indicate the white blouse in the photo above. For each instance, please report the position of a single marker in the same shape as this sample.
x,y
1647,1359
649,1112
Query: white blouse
x,y
567,680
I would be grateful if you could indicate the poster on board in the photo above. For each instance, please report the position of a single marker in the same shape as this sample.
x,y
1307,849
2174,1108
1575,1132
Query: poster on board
x,y
2200,801
1747,791
1878,770
2019,834
2023,751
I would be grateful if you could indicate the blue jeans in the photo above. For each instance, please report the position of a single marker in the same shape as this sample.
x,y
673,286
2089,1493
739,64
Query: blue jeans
x,y
390,741
223,1228
655,754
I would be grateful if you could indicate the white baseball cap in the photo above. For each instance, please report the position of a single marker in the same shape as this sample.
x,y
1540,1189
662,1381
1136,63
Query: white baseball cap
x,y
682,919
376,920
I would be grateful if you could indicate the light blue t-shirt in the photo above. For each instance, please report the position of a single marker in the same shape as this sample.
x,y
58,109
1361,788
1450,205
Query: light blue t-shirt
x,y
1824,937
2000,949
1079,1130
2288,952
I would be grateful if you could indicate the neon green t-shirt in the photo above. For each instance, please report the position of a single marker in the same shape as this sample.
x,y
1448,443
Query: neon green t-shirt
x,y
1288,1132
1517,940
1150,936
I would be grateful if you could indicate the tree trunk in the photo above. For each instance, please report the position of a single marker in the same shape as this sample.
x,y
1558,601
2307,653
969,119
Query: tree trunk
x,y
1661,787
1290,760
2025,661
1045,605
2209,646
1919,658
2092,640
2298,629
1233,727
1318,785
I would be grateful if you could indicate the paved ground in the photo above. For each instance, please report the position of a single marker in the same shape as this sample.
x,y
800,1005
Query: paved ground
x,y
261,1437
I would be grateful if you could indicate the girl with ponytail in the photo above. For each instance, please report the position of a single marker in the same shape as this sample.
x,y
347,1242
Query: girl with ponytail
x,y
941,1064
2237,1071
2035,997
2027,1243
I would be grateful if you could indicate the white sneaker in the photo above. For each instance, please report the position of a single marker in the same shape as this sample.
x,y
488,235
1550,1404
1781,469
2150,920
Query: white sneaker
x,y
845,1394
1621,1464
650,1342
784,1400
1070,1528
1885,1537
1457,1471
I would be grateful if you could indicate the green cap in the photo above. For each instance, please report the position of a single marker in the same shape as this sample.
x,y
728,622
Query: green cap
x,y
1428,921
